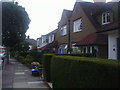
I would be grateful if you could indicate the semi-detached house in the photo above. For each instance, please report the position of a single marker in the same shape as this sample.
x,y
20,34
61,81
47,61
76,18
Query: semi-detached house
x,y
48,42
111,28
80,30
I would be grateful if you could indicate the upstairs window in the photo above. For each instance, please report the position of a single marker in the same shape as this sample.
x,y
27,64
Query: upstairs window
x,y
51,38
44,39
105,18
77,25
64,30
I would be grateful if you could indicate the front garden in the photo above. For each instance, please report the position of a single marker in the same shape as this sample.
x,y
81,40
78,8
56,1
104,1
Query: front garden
x,y
75,70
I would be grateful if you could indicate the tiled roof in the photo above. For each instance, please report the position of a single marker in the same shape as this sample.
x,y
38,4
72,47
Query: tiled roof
x,y
110,27
68,13
54,44
106,7
52,32
90,9
32,42
93,39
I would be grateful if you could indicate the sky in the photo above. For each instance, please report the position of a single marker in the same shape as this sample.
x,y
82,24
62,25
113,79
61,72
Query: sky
x,y
45,14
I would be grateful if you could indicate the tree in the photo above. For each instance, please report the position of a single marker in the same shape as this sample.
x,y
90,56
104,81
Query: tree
x,y
15,21
21,48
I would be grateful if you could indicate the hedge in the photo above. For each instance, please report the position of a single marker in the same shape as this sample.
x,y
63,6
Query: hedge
x,y
78,54
82,72
47,66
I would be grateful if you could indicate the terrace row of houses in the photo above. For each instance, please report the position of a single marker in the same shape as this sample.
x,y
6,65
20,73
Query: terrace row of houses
x,y
88,28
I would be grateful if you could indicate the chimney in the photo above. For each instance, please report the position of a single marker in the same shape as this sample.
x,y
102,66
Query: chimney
x,y
99,2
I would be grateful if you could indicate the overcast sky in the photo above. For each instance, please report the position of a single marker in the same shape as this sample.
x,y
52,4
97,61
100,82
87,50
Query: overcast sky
x,y
45,14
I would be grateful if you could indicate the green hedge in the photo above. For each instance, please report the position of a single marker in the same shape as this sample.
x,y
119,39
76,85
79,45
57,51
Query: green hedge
x,y
82,72
78,54
47,66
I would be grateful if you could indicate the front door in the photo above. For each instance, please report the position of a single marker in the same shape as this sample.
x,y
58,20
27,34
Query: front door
x,y
112,39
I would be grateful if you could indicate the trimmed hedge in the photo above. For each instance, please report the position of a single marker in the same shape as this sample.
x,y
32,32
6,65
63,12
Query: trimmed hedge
x,y
78,54
82,72
47,66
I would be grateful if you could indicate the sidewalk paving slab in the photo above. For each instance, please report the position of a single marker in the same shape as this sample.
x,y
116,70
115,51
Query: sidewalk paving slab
x,y
17,75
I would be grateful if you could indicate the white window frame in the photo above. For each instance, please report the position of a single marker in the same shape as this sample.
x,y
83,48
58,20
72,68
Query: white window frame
x,y
75,47
64,30
51,38
105,17
91,49
77,25
44,39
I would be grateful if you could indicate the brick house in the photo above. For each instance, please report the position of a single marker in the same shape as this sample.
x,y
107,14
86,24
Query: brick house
x,y
81,30
63,33
88,28
111,28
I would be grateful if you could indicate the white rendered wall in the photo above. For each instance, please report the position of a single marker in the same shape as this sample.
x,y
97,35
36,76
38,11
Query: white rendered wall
x,y
112,45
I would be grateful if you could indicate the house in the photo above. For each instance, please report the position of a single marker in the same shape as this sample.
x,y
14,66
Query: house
x,y
111,28
77,30
48,42
84,25
63,32
32,43
88,28
42,41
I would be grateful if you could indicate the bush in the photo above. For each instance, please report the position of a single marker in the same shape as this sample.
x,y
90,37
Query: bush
x,y
36,55
47,66
20,58
29,59
79,54
82,72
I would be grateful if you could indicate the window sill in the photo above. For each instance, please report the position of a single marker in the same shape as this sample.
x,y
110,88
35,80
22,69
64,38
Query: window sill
x,y
64,35
77,31
105,23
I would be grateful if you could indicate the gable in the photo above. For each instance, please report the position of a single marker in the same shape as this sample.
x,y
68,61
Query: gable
x,y
64,19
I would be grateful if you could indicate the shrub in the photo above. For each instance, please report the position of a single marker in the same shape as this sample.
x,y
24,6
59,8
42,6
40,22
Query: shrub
x,y
79,54
82,72
47,66
29,59
20,58
36,55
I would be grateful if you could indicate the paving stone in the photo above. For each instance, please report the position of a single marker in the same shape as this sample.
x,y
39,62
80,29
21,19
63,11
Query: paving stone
x,y
20,85
16,75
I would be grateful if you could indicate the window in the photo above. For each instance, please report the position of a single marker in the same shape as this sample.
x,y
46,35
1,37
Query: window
x,y
44,39
106,18
77,25
64,30
51,38
75,48
63,48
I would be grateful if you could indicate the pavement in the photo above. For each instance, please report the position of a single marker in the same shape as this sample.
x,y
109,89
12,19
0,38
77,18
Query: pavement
x,y
17,75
